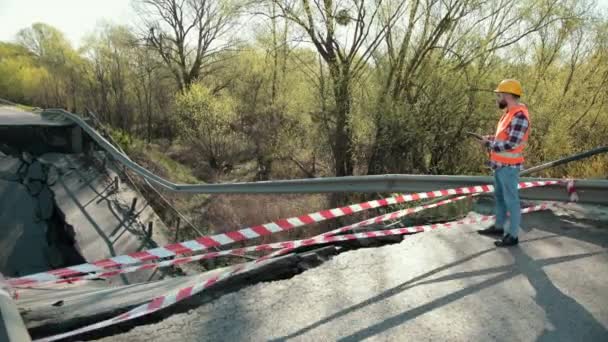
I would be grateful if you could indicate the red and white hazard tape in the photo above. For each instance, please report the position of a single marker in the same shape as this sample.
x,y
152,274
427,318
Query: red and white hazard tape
x,y
205,242
394,215
161,302
258,248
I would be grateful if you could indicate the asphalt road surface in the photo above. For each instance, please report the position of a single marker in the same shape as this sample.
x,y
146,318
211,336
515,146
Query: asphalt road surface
x,y
443,285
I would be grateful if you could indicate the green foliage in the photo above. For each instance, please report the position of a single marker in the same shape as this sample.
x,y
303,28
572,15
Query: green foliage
x,y
281,109
52,51
47,43
153,157
205,120
124,140
21,79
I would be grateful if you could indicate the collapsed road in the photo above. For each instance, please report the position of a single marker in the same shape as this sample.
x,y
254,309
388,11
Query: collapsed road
x,y
64,209
440,285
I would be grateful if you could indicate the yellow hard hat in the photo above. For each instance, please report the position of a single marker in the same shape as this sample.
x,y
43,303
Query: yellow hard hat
x,y
509,86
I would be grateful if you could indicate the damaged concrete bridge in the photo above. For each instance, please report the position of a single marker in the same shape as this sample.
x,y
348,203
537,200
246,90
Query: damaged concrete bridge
x,y
83,255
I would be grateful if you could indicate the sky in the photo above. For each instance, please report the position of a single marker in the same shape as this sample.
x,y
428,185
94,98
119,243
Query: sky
x,y
75,18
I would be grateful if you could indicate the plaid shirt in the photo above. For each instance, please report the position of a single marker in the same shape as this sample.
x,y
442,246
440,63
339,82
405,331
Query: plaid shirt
x,y
517,130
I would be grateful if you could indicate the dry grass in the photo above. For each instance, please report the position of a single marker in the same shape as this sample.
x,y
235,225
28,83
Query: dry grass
x,y
230,212
225,213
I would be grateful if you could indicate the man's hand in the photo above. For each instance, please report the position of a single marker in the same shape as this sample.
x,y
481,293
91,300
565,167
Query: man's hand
x,y
485,142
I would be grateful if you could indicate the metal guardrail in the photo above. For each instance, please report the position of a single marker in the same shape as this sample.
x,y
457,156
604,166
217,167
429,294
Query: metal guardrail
x,y
12,327
589,191
162,198
566,160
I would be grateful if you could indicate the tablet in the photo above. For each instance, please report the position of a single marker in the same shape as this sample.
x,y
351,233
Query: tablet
x,y
475,135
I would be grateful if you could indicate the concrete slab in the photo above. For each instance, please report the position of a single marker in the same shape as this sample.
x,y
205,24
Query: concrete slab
x,y
23,247
13,116
94,299
161,234
9,166
101,221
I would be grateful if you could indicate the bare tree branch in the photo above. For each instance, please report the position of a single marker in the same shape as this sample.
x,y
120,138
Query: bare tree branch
x,y
184,32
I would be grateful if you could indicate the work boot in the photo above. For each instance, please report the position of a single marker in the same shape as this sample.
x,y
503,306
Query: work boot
x,y
493,230
507,241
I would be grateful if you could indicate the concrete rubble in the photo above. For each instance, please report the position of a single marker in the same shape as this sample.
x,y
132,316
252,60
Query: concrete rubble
x,y
64,210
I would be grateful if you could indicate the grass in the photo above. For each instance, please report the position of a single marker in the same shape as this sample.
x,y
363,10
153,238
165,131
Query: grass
x,y
153,158
176,171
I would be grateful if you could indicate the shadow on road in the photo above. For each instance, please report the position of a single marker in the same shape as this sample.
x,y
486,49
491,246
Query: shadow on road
x,y
561,309
93,223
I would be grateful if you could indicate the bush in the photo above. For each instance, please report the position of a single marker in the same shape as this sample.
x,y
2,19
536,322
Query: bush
x,y
205,121
123,139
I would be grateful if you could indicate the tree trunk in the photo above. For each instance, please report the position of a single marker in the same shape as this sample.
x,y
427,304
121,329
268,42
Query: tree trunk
x,y
342,146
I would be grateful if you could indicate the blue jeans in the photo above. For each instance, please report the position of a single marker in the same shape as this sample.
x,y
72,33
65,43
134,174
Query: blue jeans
x,y
507,199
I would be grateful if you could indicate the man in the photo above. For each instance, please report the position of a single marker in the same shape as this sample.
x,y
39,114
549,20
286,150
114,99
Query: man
x,y
506,159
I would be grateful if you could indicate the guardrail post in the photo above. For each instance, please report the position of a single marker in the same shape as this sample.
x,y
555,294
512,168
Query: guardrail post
x,y
133,204
12,328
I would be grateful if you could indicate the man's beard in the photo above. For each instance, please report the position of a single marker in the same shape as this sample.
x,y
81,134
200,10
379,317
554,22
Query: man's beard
x,y
502,104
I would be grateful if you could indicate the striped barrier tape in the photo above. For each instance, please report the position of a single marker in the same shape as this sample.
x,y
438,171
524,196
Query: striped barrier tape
x,y
174,297
205,242
257,248
162,302
394,215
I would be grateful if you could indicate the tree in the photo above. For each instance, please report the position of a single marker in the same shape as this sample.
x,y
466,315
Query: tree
x,y
151,83
345,34
111,50
55,53
21,78
187,34
205,121
454,45
128,84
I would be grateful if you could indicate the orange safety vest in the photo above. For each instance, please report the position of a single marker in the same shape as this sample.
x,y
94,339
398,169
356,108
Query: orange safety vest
x,y
515,155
